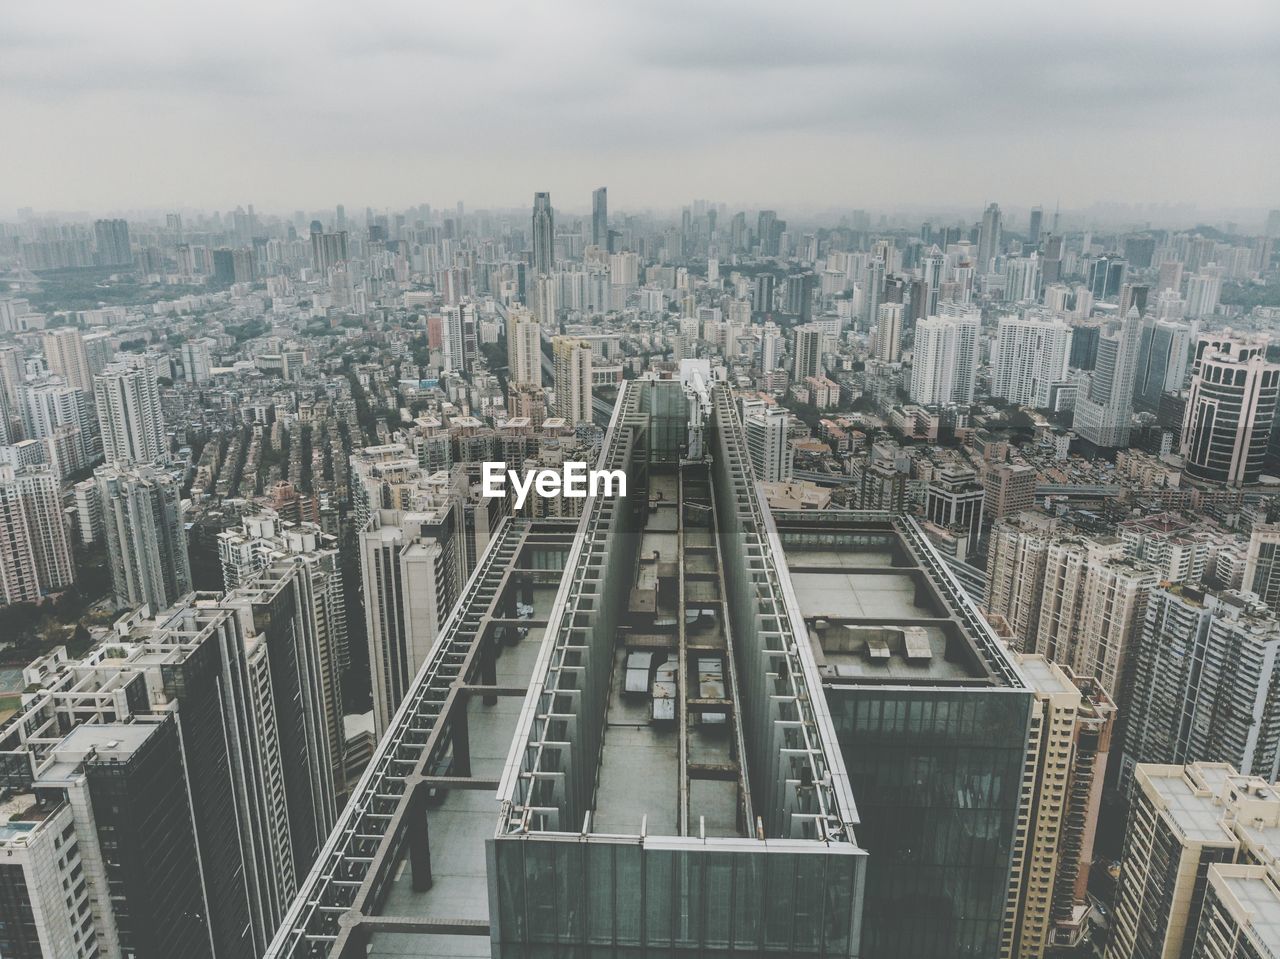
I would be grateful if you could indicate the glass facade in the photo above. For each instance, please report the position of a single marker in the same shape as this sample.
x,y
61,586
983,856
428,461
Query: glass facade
x,y
740,897
936,774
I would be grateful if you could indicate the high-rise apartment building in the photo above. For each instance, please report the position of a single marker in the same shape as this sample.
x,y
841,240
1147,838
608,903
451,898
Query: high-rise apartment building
x,y
768,446
58,416
809,343
544,234
146,538
411,566
1031,355
1016,563
889,333
111,239
1186,825
945,359
1230,411
524,348
327,250
1205,668
1092,609
1104,411
35,553
129,414
571,361
1071,730
64,351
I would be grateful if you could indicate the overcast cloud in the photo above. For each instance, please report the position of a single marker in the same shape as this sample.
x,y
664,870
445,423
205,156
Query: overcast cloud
x,y
160,104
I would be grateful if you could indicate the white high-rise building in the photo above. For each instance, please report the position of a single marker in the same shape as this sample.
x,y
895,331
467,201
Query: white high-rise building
x,y
945,360
889,333
524,348
1031,355
1203,291
129,414
990,239
58,416
197,361
768,447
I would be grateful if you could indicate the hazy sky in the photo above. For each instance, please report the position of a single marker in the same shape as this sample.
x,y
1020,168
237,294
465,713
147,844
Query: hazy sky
x,y
848,104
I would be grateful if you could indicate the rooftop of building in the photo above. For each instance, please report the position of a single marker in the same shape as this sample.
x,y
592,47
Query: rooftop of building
x,y
1254,901
880,606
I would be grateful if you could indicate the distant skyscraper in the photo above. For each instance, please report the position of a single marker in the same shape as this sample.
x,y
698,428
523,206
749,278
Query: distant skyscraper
x,y
809,341
1203,292
65,353
544,234
990,239
1031,355
524,348
146,538
766,231
58,416
1162,362
1016,562
572,363
1230,411
112,240
600,218
327,250
889,333
129,414
35,554
1035,226
1106,278
458,331
1104,412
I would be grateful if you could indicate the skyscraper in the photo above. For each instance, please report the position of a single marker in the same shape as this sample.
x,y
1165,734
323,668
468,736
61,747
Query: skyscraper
x,y
1016,563
1185,825
571,358
944,359
129,414
112,241
1206,665
524,348
146,538
1230,411
411,566
35,554
889,333
1262,565
185,767
65,353
600,218
327,250
1031,355
1104,412
544,234
768,446
1162,362
1035,226
809,341
1072,724
990,239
